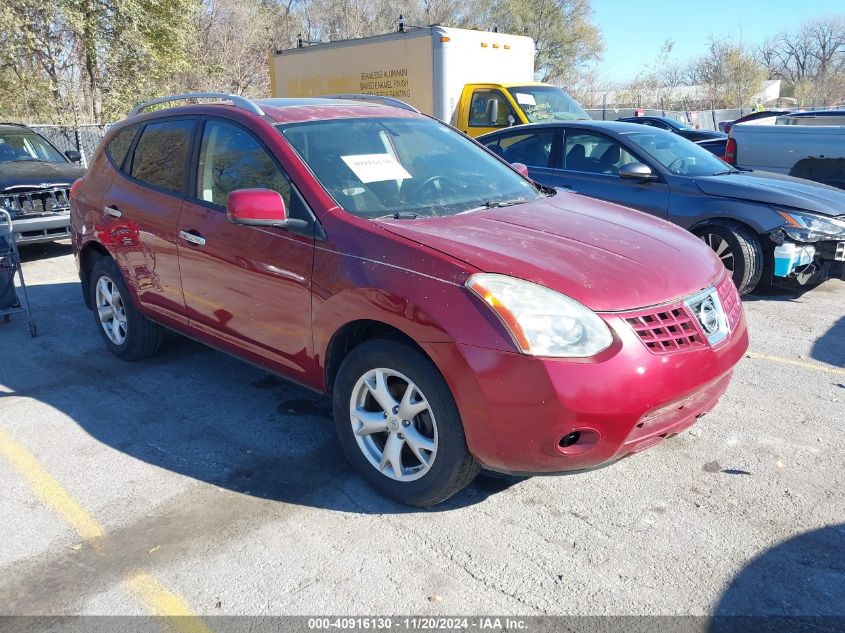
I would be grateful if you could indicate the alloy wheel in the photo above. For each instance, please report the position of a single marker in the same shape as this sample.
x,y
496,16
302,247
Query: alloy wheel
x,y
110,310
393,424
721,248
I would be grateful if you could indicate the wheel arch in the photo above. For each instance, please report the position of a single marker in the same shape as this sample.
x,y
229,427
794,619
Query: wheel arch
x,y
88,256
726,222
354,333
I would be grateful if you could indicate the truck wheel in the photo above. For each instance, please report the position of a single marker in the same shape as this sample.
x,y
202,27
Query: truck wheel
x,y
399,426
127,333
740,252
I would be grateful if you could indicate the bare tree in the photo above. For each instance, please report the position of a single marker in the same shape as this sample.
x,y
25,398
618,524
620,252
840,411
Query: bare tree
x,y
810,60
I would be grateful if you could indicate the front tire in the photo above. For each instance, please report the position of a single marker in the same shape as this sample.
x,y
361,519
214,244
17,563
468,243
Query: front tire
x,y
127,333
399,425
740,251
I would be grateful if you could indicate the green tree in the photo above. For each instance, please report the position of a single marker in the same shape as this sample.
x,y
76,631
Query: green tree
x,y
128,49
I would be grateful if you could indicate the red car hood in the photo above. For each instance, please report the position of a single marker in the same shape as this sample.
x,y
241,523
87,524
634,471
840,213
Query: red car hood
x,y
606,256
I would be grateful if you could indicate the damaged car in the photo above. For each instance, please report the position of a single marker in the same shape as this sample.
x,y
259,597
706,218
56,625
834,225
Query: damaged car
x,y
35,180
460,316
761,225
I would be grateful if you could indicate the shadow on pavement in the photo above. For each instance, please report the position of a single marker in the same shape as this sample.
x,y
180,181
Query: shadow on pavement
x,y
797,585
830,347
34,252
195,412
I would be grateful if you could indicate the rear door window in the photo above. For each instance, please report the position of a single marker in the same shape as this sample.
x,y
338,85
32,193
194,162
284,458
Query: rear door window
x,y
533,150
161,156
119,146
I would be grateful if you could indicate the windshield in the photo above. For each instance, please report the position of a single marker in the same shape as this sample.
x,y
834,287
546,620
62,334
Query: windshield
x,y
547,103
21,146
380,167
677,154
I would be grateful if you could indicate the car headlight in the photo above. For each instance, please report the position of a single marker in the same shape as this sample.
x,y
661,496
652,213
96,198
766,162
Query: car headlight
x,y
541,321
803,226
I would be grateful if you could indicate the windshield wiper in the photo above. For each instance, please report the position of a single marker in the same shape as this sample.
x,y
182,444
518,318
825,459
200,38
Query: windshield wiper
x,y
25,158
495,204
726,171
399,215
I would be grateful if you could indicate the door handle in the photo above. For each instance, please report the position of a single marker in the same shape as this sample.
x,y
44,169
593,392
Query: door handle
x,y
112,211
192,237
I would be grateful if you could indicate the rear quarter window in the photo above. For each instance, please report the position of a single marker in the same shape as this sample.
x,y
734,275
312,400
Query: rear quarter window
x,y
119,146
161,155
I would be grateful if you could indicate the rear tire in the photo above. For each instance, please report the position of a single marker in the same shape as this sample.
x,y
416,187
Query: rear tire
x,y
399,425
740,251
127,333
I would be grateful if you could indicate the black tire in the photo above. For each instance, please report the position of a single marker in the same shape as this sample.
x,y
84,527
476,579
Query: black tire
x,y
453,467
143,338
743,256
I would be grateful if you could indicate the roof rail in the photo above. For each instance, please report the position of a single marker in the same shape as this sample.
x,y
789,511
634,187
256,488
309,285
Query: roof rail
x,y
390,101
239,102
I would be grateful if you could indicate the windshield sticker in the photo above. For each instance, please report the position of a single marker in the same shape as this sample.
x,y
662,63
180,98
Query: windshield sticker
x,y
525,99
376,167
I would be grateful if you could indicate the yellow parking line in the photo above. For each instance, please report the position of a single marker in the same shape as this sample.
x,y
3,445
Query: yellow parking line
x,y
797,363
159,601
144,587
49,490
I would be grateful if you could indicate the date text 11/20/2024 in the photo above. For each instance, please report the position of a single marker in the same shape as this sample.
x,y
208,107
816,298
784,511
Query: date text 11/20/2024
x,y
417,623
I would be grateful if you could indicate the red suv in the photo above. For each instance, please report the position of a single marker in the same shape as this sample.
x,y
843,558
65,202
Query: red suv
x,y
460,315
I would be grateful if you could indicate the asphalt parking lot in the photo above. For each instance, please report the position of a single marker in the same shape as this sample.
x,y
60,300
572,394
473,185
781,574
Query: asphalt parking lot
x,y
195,483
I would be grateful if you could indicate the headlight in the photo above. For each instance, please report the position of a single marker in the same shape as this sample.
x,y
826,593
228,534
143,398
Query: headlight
x,y
542,322
802,226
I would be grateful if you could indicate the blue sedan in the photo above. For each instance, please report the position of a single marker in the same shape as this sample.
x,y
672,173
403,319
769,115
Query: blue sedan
x,y
757,222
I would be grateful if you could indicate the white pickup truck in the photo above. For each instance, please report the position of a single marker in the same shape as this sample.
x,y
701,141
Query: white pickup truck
x,y
810,147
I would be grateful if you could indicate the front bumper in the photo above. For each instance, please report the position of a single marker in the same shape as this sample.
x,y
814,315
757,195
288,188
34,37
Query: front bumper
x,y
831,259
517,409
45,228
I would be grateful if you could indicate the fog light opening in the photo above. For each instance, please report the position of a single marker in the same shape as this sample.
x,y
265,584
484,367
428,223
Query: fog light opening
x,y
569,439
578,441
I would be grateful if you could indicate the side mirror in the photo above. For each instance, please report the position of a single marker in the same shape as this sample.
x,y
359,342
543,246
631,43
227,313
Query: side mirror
x,y
73,156
637,171
521,168
492,111
259,207
511,120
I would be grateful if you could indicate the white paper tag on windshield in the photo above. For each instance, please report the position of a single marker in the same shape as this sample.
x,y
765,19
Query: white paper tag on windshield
x,y
525,99
376,167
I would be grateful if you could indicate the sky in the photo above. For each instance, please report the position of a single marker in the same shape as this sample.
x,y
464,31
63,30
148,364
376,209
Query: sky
x,y
634,30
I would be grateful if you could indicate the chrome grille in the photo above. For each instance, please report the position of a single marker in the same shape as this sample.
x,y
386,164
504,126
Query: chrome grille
x,y
36,201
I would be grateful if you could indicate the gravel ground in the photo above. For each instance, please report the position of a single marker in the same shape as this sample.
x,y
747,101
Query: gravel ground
x,y
226,486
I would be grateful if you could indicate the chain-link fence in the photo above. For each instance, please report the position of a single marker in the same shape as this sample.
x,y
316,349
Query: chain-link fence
x,y
700,119
84,138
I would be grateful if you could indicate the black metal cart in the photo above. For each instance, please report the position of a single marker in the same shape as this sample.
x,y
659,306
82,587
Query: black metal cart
x,y
10,266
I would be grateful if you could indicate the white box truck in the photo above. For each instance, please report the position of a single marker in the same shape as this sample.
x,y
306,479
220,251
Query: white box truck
x,y
476,80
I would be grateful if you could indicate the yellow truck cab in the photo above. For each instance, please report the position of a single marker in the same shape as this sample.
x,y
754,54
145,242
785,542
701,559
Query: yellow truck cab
x,y
487,107
476,80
